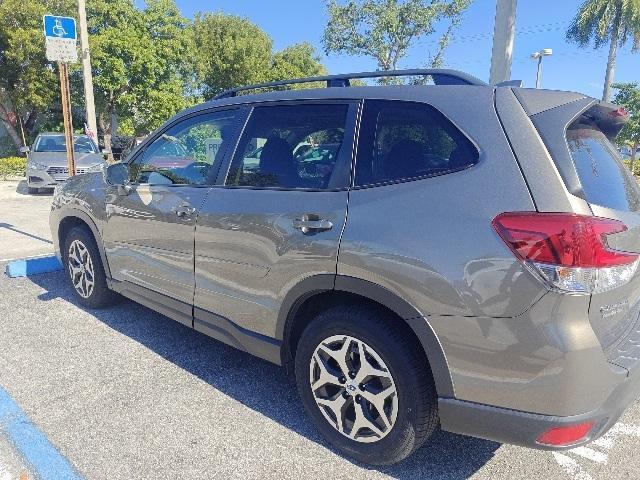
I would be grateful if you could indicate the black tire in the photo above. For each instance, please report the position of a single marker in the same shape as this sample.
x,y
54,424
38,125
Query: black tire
x,y
101,296
417,415
33,190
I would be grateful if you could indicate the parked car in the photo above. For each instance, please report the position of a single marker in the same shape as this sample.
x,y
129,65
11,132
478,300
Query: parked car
x,y
485,279
47,161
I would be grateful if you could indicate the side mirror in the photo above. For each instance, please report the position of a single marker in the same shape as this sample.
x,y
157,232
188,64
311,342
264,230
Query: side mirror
x,y
118,174
106,152
25,149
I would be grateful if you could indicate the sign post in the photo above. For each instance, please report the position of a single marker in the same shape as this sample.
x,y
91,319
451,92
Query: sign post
x,y
60,41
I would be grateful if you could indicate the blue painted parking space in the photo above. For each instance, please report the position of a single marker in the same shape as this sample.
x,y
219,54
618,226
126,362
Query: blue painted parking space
x,y
33,446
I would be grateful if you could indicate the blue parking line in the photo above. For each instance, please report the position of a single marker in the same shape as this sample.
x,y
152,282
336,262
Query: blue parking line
x,y
33,266
43,458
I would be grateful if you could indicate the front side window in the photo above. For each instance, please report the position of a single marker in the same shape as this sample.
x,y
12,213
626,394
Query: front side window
x,y
186,152
289,146
405,140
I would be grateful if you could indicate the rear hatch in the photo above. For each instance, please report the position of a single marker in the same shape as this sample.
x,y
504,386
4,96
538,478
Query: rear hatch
x,y
579,136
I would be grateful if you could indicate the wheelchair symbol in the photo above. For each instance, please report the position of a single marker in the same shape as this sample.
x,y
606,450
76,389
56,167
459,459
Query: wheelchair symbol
x,y
58,29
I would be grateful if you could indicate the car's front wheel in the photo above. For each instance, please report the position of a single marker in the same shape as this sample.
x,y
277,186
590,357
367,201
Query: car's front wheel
x,y
365,384
85,271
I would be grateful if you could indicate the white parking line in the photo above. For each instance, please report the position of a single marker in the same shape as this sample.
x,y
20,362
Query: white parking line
x,y
576,470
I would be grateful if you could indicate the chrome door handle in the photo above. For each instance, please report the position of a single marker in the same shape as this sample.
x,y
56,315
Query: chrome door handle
x,y
308,225
184,211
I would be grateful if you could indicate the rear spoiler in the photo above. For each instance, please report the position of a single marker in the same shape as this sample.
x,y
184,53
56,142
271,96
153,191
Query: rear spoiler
x,y
609,117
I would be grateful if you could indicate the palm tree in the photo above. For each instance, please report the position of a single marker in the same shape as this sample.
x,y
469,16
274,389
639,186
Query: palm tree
x,y
607,21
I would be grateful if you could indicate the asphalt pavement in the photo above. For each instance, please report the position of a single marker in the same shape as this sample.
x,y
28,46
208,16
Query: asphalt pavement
x,y
127,393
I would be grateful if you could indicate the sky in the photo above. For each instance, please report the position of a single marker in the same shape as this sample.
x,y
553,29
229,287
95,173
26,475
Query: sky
x,y
539,24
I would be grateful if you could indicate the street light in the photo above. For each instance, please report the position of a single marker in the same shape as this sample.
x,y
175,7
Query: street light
x,y
545,52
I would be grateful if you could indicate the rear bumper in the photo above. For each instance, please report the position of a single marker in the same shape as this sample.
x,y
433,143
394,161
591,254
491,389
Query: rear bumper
x,y
523,428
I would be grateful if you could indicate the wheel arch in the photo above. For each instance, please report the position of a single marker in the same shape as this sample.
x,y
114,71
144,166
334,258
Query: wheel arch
x,y
74,218
319,291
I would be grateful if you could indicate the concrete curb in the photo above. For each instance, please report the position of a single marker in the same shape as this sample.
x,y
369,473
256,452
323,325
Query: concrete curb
x,y
33,266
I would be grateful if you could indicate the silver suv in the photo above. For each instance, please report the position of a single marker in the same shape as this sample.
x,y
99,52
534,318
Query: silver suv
x,y
455,255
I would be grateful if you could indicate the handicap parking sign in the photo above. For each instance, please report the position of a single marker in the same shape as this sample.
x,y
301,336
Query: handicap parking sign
x,y
60,38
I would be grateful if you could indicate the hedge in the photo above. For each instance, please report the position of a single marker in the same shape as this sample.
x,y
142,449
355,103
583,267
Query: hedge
x,y
13,167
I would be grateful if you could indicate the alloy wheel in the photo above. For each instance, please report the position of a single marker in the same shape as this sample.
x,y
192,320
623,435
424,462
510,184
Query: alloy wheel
x,y
81,268
353,388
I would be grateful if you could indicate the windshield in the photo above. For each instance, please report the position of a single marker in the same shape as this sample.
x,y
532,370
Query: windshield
x,y
604,178
56,143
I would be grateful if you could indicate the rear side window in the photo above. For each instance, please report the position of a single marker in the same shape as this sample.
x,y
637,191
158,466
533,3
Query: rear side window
x,y
604,178
405,140
290,147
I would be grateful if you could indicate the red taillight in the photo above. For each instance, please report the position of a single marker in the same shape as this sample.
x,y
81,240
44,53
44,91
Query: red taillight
x,y
562,239
565,435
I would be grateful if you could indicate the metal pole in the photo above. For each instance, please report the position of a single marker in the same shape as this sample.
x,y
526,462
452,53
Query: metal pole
x,y
503,35
539,74
86,71
66,114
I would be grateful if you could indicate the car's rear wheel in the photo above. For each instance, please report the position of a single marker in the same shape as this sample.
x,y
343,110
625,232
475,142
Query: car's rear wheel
x,y
85,271
365,385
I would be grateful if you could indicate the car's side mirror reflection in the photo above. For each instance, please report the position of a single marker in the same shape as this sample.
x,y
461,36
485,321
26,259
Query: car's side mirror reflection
x,y
118,175
25,149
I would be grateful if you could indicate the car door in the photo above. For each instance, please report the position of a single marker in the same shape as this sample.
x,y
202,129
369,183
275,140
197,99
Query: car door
x,y
149,229
277,216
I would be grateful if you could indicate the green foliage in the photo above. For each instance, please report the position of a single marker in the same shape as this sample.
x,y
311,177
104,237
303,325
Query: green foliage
x,y
386,29
629,96
597,20
231,51
141,62
13,167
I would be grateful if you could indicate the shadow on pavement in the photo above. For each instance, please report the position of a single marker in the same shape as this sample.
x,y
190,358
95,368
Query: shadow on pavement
x,y
21,189
263,386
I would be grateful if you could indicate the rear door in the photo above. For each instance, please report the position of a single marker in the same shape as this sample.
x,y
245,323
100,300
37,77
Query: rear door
x,y
149,231
277,215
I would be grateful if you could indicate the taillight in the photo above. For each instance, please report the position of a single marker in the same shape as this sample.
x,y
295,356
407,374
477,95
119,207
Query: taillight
x,y
565,435
569,251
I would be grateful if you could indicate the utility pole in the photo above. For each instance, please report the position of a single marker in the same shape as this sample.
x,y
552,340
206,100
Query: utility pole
x,y
66,114
503,35
86,72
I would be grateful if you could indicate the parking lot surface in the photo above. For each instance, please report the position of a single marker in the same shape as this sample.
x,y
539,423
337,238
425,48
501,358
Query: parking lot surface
x,y
127,393
24,222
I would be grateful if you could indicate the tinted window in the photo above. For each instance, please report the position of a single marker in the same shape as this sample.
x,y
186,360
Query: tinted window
x,y
293,146
605,180
186,152
403,140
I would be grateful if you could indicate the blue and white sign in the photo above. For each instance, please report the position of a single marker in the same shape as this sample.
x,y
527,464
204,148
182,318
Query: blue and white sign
x,y
60,39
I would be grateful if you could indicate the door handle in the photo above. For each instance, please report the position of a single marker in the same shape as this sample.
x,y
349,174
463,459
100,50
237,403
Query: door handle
x,y
184,210
312,223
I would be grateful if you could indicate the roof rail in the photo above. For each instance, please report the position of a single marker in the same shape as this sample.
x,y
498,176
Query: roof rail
x,y
439,76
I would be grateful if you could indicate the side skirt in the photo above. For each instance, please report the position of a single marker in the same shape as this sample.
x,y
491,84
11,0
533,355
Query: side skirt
x,y
212,325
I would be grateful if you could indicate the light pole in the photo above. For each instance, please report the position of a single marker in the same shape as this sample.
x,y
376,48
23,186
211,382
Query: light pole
x,y
503,35
545,52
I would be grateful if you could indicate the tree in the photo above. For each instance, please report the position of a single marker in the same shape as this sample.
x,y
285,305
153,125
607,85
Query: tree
x,y
231,51
386,29
607,21
629,96
29,83
141,62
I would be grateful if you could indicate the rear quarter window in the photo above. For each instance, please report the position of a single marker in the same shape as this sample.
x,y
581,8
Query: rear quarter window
x,y
604,178
402,141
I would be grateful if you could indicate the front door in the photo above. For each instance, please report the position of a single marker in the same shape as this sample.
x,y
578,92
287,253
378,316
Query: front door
x,y
149,230
278,217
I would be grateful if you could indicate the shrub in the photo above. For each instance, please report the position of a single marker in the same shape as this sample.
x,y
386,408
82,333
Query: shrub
x,y
13,167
